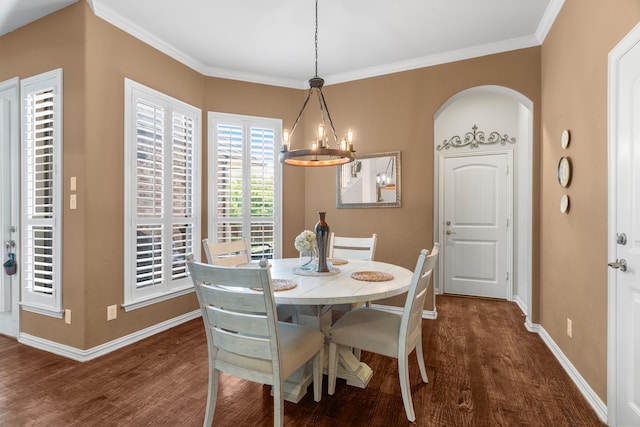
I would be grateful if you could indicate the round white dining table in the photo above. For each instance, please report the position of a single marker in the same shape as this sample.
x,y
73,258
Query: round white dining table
x,y
315,294
326,289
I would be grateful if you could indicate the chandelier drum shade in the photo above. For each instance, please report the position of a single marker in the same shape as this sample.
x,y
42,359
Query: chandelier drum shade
x,y
322,151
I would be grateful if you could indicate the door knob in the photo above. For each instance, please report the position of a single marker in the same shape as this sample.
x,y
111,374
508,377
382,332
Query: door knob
x,y
620,264
451,232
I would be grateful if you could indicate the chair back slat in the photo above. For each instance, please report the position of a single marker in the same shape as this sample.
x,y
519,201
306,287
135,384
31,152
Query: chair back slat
x,y
232,299
244,323
352,247
244,345
228,253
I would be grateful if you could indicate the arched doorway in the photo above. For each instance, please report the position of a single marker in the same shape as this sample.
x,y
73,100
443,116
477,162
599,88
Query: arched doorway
x,y
476,113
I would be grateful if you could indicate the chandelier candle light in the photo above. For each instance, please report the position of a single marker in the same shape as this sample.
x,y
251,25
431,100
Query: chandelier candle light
x,y
320,153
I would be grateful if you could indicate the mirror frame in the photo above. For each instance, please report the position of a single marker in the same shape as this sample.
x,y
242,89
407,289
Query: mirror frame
x,y
342,169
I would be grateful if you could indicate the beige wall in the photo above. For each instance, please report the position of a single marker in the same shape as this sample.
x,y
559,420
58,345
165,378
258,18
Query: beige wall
x,y
573,260
566,79
58,42
396,112
393,112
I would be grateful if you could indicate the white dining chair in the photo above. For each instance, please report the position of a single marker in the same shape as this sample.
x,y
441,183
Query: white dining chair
x,y
352,247
235,253
389,334
244,337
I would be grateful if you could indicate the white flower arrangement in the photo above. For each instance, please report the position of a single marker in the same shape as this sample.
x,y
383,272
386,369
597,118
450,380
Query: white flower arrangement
x,y
306,241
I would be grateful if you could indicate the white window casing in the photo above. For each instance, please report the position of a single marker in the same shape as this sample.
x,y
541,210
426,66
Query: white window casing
x,y
162,195
41,152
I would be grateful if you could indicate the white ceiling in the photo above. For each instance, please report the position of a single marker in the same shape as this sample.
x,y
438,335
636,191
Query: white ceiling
x,y
272,42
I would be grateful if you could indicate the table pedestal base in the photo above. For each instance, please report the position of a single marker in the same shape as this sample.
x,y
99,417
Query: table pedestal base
x,y
355,372
295,387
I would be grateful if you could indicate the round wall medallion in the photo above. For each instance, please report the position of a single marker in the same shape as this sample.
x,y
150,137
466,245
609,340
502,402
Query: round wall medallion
x,y
564,203
564,171
566,136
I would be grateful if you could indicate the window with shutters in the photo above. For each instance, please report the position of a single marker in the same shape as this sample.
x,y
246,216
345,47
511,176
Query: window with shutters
x,y
41,152
162,195
244,182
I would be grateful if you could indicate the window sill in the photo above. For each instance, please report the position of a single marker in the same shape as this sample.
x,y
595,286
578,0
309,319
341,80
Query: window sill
x,y
134,305
45,311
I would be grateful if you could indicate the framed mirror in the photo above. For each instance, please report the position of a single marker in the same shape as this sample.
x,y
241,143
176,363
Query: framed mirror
x,y
370,181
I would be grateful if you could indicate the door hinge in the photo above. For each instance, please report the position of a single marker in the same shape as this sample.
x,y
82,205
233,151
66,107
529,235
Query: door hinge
x,y
507,169
507,275
507,222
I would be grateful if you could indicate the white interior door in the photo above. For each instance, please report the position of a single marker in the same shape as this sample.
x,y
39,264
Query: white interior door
x,y
9,284
624,218
475,225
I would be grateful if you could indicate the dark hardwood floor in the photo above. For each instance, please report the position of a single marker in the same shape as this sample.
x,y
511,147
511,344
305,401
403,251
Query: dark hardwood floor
x,y
484,369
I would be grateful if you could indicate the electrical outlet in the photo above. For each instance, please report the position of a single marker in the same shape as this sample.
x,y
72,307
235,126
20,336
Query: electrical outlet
x,y
569,328
67,316
112,312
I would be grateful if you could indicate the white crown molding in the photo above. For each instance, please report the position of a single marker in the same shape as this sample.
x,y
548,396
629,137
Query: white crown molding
x,y
492,48
437,59
105,13
134,30
95,352
549,17
224,73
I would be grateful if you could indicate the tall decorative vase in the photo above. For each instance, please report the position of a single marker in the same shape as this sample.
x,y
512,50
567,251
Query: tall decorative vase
x,y
322,235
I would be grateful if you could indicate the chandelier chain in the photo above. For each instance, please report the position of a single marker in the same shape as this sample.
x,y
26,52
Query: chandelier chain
x,y
316,38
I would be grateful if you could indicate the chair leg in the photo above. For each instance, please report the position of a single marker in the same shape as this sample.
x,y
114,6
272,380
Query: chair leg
x,y
420,355
212,395
318,361
278,404
403,370
333,367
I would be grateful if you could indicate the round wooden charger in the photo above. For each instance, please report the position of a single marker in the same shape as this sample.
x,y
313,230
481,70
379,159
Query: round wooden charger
x,y
372,276
280,285
338,261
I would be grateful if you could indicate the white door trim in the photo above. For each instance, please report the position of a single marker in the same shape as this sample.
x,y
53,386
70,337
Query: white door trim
x,y
9,91
522,187
615,56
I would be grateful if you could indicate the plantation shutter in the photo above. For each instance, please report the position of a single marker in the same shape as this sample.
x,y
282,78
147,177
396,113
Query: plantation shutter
x,y
41,195
150,201
229,192
262,190
163,139
183,194
244,179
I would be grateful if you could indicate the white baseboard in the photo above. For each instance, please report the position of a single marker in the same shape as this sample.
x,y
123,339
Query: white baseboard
x,y
594,400
521,304
95,352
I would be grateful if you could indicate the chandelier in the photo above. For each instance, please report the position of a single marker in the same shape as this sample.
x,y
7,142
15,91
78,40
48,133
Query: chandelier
x,y
322,151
